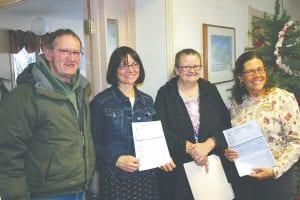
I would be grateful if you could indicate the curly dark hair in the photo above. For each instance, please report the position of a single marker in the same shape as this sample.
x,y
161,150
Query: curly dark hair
x,y
239,90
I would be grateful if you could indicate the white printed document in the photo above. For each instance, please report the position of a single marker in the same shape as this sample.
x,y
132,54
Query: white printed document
x,y
150,144
251,145
211,185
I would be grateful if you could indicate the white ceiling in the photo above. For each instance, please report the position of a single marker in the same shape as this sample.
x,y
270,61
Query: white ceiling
x,y
70,9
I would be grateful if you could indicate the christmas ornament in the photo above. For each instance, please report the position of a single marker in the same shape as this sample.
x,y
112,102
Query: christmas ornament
x,y
281,36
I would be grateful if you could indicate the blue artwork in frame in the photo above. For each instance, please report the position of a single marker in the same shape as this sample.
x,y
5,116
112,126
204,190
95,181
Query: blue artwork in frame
x,y
221,51
218,53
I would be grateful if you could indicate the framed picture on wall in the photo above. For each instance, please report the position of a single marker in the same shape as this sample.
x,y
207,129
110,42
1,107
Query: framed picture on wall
x,y
218,53
254,16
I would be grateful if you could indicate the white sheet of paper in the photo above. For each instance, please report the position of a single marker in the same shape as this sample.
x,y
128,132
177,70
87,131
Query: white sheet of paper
x,y
211,185
252,146
150,144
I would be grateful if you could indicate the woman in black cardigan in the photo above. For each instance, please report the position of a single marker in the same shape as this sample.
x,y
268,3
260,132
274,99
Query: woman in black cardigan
x,y
193,116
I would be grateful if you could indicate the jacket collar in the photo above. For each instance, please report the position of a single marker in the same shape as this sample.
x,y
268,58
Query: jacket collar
x,y
121,97
44,86
204,87
41,80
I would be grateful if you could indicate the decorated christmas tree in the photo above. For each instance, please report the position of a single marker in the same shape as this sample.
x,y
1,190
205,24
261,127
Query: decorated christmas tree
x,y
277,39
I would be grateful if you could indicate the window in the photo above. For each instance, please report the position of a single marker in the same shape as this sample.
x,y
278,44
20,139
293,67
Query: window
x,y
20,61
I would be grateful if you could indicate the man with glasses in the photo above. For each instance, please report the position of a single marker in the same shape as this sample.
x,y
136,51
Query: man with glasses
x,y
46,146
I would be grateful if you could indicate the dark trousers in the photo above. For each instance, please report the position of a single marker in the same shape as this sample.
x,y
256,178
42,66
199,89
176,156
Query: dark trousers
x,y
284,188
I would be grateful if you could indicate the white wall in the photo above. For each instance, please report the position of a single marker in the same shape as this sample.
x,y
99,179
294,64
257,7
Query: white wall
x,y
151,43
188,17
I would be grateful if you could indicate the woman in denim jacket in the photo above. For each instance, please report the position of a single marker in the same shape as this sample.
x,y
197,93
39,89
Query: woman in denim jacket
x,y
113,110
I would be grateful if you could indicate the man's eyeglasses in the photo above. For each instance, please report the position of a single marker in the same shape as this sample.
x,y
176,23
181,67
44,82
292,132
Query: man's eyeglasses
x,y
188,68
251,72
124,66
67,52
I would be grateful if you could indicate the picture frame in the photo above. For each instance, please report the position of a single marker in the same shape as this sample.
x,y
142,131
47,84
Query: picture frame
x,y
219,51
254,15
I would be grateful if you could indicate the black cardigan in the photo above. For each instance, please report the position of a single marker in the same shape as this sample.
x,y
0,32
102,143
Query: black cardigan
x,y
170,109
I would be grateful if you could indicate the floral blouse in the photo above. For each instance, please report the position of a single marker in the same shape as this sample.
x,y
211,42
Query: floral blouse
x,y
192,106
278,116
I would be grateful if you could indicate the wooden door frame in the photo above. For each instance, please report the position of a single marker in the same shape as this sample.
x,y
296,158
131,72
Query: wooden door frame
x,y
95,43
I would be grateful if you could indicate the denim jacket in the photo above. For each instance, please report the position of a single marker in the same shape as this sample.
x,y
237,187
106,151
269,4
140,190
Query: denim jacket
x,y
112,115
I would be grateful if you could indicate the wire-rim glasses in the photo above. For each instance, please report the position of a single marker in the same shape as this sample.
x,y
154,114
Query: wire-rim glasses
x,y
189,68
252,72
67,52
124,66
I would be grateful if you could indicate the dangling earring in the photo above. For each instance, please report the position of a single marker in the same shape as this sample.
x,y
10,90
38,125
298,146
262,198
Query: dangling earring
x,y
241,84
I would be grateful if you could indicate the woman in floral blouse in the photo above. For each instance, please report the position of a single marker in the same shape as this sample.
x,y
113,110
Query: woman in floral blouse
x,y
277,113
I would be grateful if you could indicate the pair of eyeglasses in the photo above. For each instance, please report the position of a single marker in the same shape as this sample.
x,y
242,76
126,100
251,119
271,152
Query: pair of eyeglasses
x,y
252,72
68,52
189,68
125,66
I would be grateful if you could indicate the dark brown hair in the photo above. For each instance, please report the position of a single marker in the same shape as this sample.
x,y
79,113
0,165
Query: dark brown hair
x,y
239,90
115,60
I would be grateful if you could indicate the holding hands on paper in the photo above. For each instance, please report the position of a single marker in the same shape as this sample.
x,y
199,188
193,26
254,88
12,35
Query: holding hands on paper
x,y
231,154
168,167
249,150
200,151
263,173
128,163
259,173
150,147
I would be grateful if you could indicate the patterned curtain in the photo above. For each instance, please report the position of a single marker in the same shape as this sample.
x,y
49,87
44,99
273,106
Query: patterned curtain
x,y
16,40
32,42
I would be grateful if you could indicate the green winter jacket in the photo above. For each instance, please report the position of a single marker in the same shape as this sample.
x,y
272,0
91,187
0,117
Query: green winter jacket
x,y
45,146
